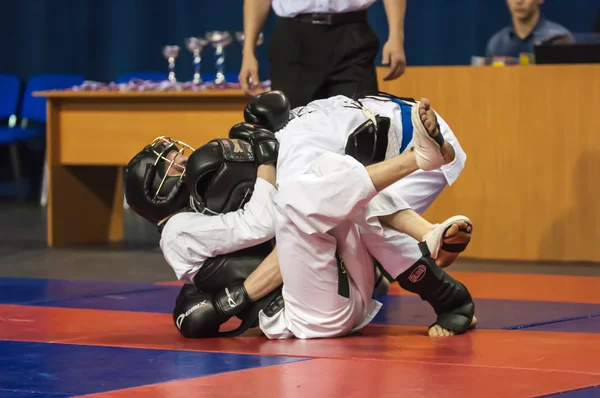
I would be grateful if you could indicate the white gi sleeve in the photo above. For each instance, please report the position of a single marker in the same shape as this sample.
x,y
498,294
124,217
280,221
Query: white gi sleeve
x,y
189,239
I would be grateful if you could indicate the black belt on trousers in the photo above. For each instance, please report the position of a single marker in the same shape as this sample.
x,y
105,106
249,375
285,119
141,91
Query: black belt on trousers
x,y
333,19
343,281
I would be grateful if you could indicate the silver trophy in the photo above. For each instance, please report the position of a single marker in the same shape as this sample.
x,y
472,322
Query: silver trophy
x,y
219,40
195,45
171,53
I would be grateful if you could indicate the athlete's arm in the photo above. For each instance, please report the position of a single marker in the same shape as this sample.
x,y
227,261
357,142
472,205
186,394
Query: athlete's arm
x,y
189,239
265,278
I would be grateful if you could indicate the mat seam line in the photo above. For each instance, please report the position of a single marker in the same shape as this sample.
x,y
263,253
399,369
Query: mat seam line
x,y
562,320
60,394
86,296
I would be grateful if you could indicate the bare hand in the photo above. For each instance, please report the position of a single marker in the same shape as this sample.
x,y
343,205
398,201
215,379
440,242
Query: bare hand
x,y
393,55
249,74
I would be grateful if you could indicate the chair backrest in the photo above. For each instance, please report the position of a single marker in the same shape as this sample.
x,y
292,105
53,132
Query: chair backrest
x,y
143,75
34,108
10,90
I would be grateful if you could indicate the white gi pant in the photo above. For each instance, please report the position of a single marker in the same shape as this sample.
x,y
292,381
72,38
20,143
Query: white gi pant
x,y
326,202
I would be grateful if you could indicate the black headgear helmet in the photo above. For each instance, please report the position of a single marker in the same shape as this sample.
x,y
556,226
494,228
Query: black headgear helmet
x,y
154,181
221,175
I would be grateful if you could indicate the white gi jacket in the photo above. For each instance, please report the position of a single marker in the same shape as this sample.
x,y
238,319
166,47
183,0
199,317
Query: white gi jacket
x,y
189,239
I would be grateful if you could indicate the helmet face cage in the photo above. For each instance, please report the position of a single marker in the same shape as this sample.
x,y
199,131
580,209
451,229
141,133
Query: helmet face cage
x,y
163,147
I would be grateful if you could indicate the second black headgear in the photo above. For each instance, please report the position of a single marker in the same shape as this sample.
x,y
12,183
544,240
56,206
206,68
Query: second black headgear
x,y
220,176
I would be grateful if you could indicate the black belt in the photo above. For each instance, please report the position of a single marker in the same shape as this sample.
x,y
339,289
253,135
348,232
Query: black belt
x,y
343,281
333,19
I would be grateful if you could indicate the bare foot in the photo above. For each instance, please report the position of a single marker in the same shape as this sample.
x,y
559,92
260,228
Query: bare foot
x,y
448,239
438,331
459,233
445,152
429,119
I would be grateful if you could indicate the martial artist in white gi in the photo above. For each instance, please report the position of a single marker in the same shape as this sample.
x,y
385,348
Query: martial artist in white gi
x,y
328,202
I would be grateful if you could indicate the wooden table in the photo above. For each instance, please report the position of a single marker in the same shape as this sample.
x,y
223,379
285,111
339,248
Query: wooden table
x,y
91,135
532,138
531,135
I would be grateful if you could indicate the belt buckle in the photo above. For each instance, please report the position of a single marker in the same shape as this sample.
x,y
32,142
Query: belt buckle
x,y
321,19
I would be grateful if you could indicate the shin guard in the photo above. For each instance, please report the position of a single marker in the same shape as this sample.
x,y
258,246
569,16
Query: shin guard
x,y
449,298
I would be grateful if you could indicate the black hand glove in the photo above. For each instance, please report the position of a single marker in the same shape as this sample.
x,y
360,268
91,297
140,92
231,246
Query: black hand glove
x,y
232,300
270,110
243,131
265,147
264,144
195,314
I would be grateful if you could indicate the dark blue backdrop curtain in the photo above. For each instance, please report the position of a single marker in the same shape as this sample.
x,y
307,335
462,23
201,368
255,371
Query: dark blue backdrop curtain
x,y
101,39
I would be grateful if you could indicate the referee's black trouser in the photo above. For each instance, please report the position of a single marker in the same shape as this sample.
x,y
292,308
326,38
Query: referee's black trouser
x,y
310,62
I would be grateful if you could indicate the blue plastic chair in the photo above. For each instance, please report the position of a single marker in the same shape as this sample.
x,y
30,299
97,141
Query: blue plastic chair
x,y
33,109
142,75
10,92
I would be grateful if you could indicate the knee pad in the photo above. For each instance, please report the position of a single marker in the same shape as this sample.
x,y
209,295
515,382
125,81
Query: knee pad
x,y
449,298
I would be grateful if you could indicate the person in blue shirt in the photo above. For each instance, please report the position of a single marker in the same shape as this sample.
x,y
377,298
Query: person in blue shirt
x,y
528,28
